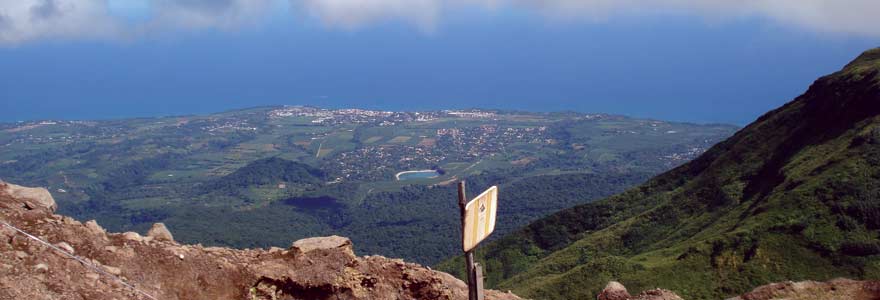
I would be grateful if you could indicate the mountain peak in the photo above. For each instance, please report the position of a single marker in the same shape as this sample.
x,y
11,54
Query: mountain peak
x,y
866,65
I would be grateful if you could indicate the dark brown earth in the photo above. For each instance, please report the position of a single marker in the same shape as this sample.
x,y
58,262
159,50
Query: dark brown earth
x,y
159,268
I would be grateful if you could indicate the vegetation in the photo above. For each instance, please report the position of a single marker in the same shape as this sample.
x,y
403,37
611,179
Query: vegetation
x,y
267,171
267,176
793,196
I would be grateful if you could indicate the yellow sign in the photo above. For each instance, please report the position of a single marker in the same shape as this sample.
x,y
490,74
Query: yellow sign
x,y
479,219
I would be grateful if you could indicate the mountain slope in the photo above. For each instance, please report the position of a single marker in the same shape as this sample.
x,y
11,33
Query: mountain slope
x,y
793,196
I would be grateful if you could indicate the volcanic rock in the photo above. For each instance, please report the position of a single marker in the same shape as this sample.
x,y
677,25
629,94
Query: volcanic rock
x,y
315,268
93,226
160,233
31,196
614,291
834,289
132,236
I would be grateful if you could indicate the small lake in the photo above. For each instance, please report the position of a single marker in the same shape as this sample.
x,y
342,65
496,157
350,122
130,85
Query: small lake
x,y
424,174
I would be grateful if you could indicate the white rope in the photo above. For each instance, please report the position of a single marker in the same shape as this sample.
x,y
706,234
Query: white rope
x,y
81,260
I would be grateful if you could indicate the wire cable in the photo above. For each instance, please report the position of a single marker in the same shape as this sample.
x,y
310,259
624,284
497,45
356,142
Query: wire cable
x,y
86,263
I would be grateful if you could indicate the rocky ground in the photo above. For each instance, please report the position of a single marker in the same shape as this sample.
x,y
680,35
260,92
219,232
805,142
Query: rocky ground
x,y
837,289
813,290
131,266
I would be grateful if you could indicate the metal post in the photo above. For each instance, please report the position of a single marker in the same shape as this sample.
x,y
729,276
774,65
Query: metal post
x,y
472,279
469,256
478,285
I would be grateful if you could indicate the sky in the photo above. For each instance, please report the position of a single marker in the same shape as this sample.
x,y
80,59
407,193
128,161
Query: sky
x,y
704,61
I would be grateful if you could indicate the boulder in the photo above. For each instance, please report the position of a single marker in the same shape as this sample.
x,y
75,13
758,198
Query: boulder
x,y
133,236
113,270
834,289
93,226
160,233
331,243
657,294
42,268
38,197
614,291
65,246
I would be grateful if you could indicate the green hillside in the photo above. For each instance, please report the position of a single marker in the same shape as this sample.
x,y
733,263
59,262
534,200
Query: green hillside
x,y
266,176
793,196
270,171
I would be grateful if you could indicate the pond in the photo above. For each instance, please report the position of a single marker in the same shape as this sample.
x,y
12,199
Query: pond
x,y
423,174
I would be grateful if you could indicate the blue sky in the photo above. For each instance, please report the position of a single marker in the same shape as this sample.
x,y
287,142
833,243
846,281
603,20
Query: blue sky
x,y
698,61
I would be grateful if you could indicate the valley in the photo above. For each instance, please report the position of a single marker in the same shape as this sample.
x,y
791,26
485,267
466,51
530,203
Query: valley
x,y
264,176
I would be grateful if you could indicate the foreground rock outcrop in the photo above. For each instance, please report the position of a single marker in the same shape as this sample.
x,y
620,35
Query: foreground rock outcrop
x,y
131,266
837,289
810,290
616,291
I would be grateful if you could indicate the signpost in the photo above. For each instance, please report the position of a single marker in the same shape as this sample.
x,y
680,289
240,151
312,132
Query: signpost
x,y
477,223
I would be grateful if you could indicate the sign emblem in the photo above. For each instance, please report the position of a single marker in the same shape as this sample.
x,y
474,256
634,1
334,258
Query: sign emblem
x,y
479,220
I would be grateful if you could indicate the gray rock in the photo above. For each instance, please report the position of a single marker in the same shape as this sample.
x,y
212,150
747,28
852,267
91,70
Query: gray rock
x,y
41,268
304,246
133,236
93,276
113,270
65,246
93,226
37,197
614,291
160,233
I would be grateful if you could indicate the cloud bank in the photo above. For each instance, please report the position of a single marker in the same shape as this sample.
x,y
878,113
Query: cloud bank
x,y
23,20
834,16
29,20
353,14
195,14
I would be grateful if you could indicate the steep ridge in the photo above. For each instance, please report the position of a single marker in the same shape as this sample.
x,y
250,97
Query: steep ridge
x,y
793,196
156,267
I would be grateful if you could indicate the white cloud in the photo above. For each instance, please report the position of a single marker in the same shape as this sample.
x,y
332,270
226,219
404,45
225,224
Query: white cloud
x,y
197,14
27,20
23,20
355,14
352,14
847,16
836,16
